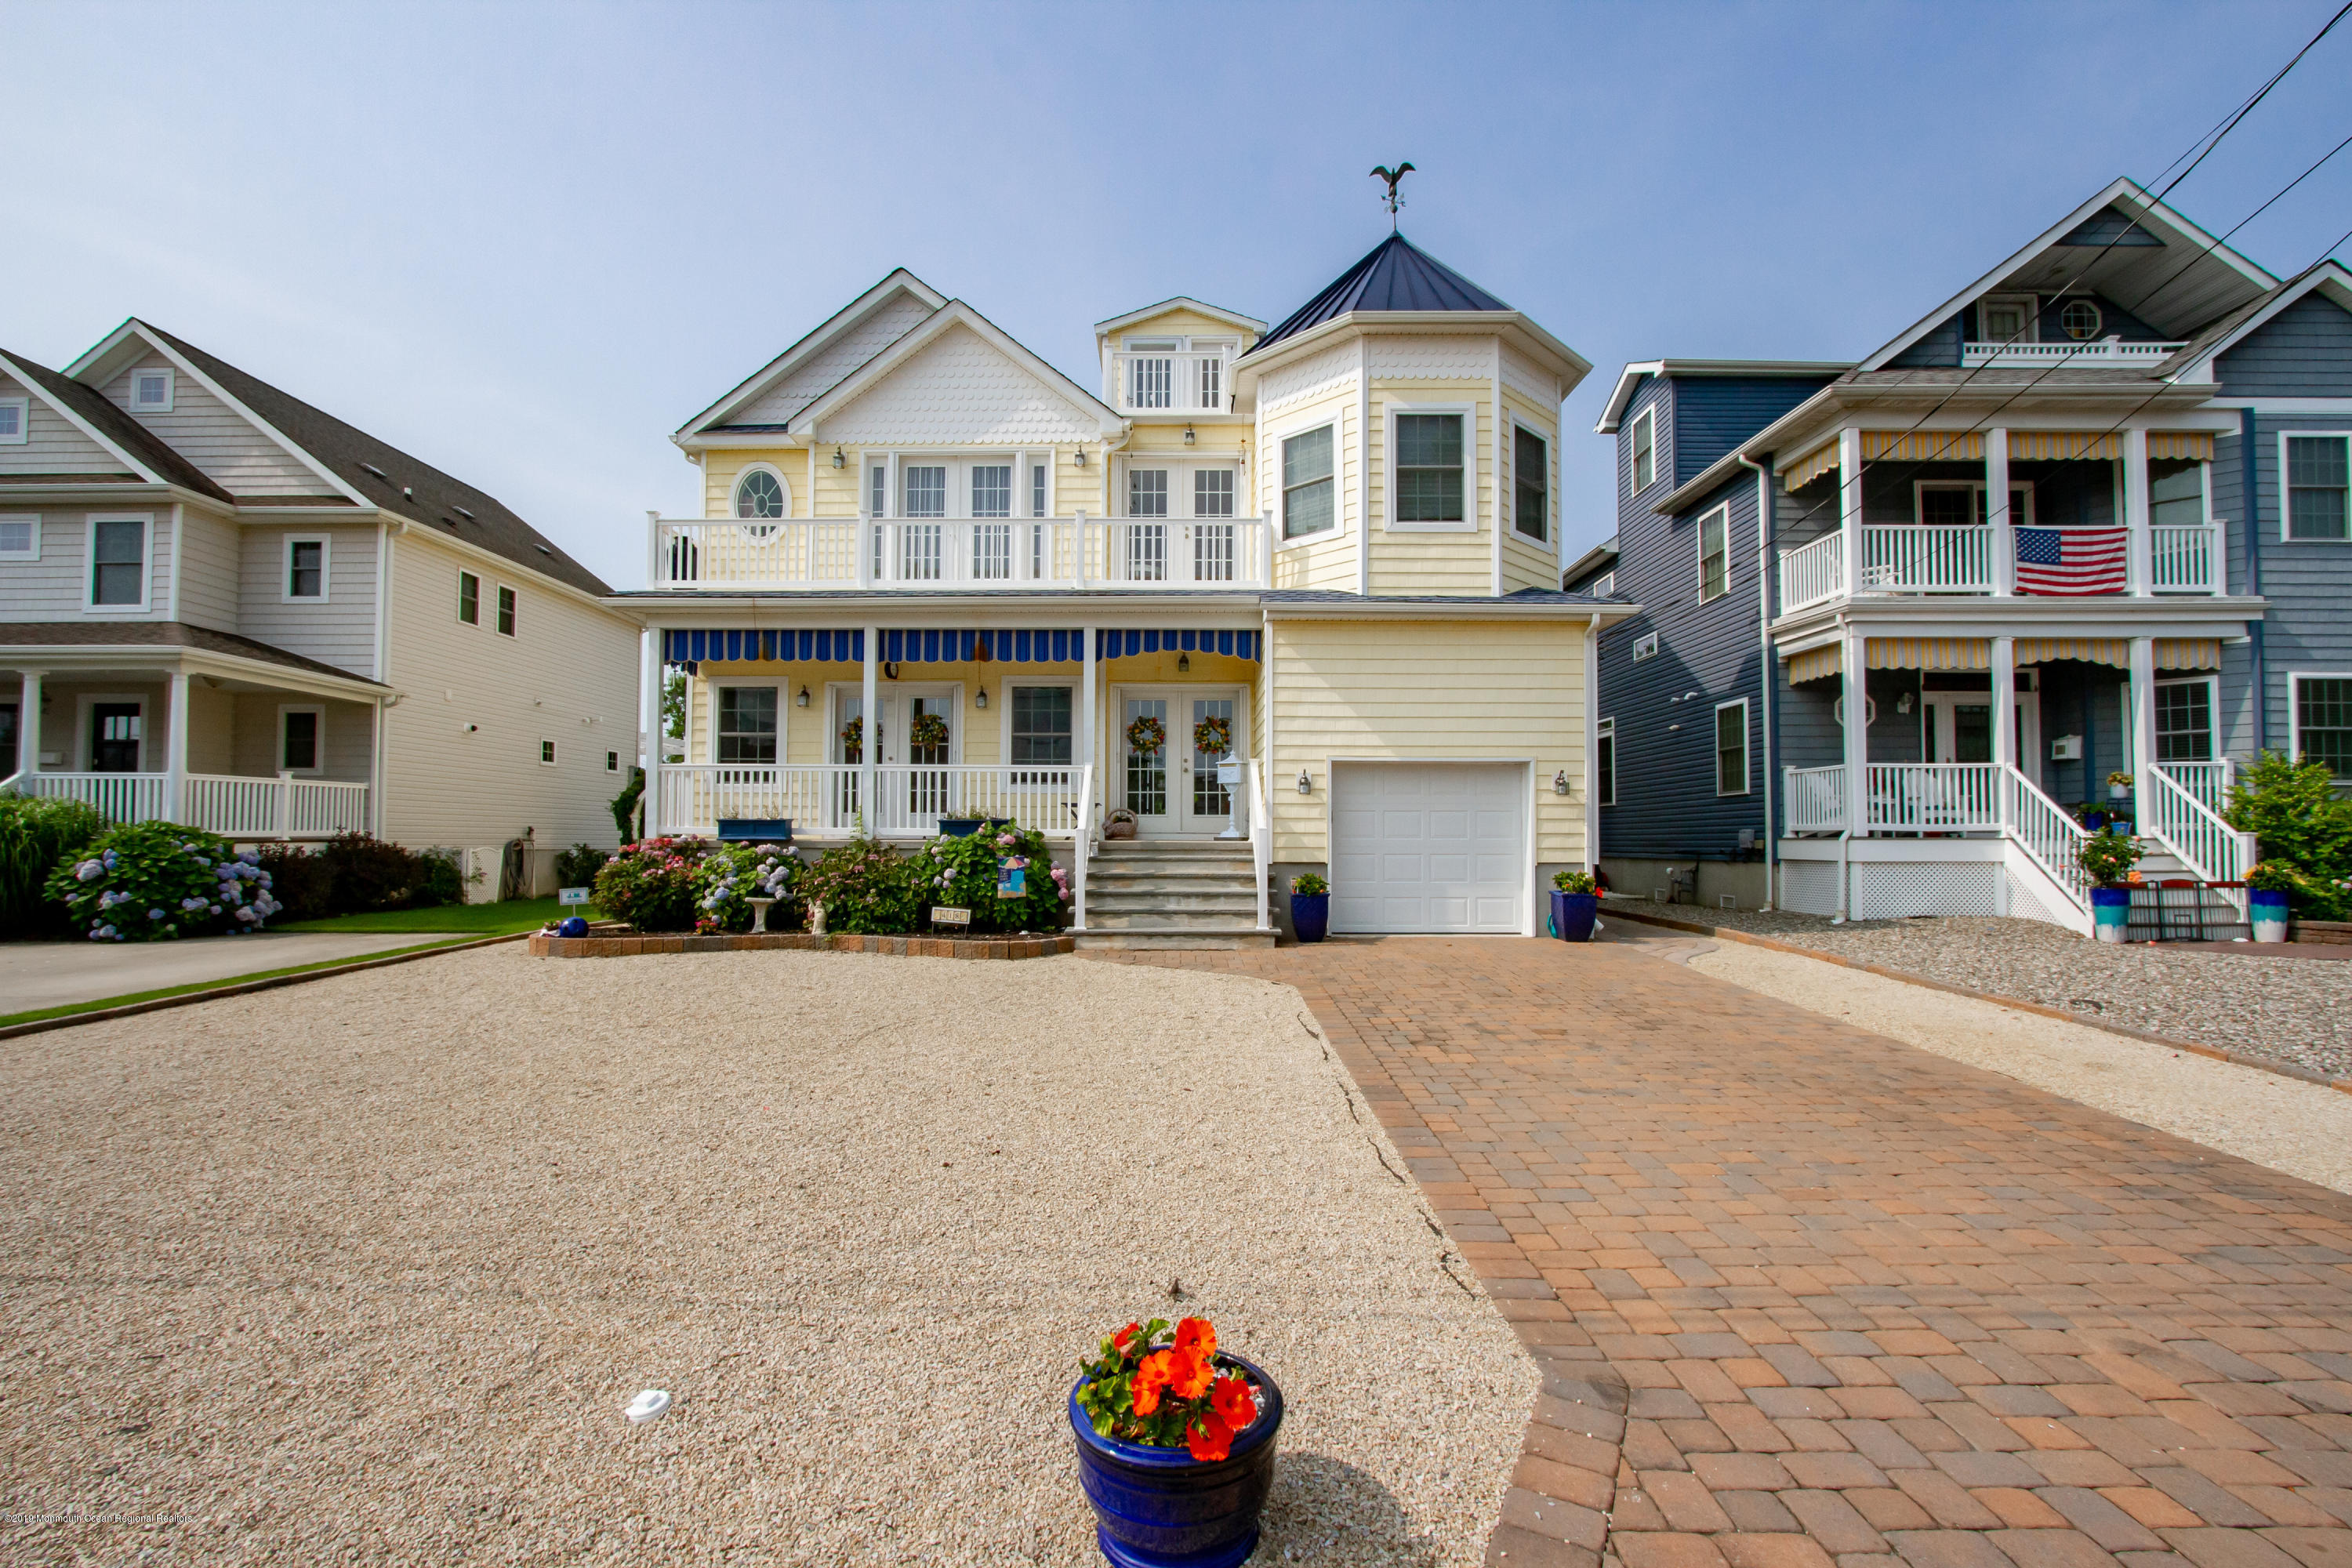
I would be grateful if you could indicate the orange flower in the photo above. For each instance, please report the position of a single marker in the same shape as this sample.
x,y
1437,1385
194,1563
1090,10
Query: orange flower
x,y
1209,1438
1125,1336
1198,1337
1233,1402
1189,1374
1150,1379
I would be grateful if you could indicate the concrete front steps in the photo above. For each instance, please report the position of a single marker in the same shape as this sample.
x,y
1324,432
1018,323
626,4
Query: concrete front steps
x,y
1164,893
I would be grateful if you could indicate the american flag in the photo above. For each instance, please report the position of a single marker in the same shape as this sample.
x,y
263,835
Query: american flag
x,y
2070,559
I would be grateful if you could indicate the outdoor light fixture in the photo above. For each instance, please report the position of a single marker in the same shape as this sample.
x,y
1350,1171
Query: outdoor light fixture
x,y
1306,783
837,457
1082,456
802,700
1560,782
889,669
1183,664
1902,703
979,697
1188,435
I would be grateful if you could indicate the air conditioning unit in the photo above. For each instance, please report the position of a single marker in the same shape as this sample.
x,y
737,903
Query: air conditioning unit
x,y
2067,749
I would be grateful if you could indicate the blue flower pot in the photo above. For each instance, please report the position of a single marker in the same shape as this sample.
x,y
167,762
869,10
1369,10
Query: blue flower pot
x,y
2095,820
1310,915
2110,912
2267,908
1573,915
1161,1508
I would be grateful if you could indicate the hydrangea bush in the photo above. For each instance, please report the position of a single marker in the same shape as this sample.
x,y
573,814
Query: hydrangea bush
x,y
652,884
868,889
730,875
962,873
152,881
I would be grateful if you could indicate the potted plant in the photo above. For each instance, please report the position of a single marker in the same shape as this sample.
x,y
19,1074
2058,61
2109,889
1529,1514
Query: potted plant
x,y
2119,786
1311,907
2267,886
2108,857
2091,815
1176,1442
1575,904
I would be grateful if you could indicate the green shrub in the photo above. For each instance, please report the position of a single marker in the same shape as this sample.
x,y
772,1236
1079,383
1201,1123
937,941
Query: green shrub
x,y
966,872
441,878
1572,881
624,806
868,889
35,836
732,875
577,867
2294,813
1308,885
300,880
2108,857
151,881
652,884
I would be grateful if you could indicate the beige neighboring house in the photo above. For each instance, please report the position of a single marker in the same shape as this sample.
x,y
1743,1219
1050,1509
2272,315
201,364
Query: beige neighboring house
x,y
224,607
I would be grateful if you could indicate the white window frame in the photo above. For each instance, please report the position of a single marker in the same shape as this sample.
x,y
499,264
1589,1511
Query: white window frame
x,y
286,594
170,388
1004,726
1721,517
1605,735
1468,414
783,719
735,499
1552,504
1604,586
23,407
2213,685
1339,529
2098,319
34,520
1715,750
499,590
613,761
476,622
1920,488
2286,501
319,737
1645,647
2032,303
550,755
1645,429
89,605
2295,680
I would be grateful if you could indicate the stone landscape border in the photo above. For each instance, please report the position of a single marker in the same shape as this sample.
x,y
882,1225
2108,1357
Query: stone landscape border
x,y
545,946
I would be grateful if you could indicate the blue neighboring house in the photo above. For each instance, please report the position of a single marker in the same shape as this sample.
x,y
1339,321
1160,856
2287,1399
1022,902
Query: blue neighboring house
x,y
2078,538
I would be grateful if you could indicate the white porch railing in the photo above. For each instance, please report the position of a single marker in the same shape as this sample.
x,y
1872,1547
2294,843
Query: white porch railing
x,y
232,806
909,799
2185,559
2105,354
2046,832
2208,782
1015,554
1811,573
1815,797
1927,558
1261,833
2211,849
1932,797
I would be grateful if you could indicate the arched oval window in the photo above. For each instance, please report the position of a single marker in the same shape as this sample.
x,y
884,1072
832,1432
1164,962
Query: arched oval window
x,y
758,493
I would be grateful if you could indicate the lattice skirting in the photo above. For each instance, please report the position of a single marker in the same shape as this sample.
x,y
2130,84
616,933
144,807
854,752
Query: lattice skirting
x,y
1810,887
1889,891
2026,907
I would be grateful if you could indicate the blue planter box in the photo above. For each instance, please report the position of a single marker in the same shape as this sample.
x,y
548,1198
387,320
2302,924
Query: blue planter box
x,y
1573,915
1161,1508
755,830
1310,915
965,827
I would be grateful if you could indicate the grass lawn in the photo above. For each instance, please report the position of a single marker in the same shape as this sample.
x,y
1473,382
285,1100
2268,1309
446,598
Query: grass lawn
x,y
477,920
69,1009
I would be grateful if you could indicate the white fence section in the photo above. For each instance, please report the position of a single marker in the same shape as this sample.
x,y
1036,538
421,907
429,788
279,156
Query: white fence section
x,y
1811,573
909,799
1815,797
2186,559
1927,558
1212,554
1934,797
2046,833
2211,849
233,807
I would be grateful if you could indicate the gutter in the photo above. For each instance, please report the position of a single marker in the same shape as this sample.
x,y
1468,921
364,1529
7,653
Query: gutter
x,y
1766,516
2251,488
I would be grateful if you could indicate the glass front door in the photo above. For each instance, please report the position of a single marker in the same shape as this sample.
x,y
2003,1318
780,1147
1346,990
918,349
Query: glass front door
x,y
1211,805
1957,727
1173,787
1144,746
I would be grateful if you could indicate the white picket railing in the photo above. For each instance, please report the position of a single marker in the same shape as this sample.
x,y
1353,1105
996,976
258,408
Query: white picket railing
x,y
1927,558
1261,832
1934,797
2103,353
910,798
1811,573
119,797
2047,832
231,805
1015,554
1815,799
2211,849
2185,559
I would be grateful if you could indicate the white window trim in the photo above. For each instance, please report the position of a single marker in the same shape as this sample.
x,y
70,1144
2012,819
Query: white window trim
x,y
835,690
1633,485
612,760
1339,529
1004,725
735,487
286,594
1468,412
550,755
1604,586
1698,543
495,589
2294,679
2285,520
277,761
1180,493
78,760
89,605
170,388
2098,318
1551,492
34,553
1919,488
23,407
1647,640
1606,730
458,608
782,689
2032,303
2213,685
1715,750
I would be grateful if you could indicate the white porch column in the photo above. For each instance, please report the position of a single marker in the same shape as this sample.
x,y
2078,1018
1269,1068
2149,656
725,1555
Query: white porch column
x,y
1086,699
28,722
1855,696
2004,701
175,750
2004,549
2143,726
869,746
657,669
2140,566
1850,506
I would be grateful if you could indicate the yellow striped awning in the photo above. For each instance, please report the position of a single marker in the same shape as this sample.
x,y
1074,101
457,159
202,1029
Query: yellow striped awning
x,y
1796,476
1813,664
1923,445
2197,445
2188,653
2090,651
2062,445
1928,653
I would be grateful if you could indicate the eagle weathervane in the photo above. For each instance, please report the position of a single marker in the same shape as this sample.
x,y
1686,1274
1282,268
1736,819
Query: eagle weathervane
x,y
1393,200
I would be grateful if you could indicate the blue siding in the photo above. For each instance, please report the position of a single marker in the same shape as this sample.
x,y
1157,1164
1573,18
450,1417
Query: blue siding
x,y
2115,322
1714,414
2308,582
1940,348
2305,350
1632,507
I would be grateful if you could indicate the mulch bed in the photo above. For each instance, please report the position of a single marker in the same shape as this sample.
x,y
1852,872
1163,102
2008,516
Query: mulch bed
x,y
613,946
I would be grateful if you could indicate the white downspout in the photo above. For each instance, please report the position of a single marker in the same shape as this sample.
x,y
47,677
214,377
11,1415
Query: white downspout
x,y
1766,666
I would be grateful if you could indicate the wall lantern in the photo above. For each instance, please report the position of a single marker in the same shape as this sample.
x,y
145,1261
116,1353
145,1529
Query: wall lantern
x,y
979,697
1306,783
802,700
1081,459
1560,782
1188,435
837,460
1183,664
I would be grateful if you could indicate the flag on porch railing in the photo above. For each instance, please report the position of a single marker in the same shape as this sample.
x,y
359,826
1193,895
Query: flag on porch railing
x,y
2070,560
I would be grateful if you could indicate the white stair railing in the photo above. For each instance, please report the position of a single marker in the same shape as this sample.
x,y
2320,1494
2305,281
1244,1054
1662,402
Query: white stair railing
x,y
2208,782
1261,837
2047,834
2211,849
1082,839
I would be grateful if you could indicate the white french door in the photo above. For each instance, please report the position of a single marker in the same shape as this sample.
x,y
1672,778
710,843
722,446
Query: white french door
x,y
919,787
1957,727
1172,788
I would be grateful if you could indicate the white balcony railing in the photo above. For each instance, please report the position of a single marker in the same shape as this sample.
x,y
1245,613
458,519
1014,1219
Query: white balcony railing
x,y
1016,554
2186,559
1927,558
1815,799
1934,797
2049,836
1812,573
1173,383
1940,558
2105,354
827,798
233,807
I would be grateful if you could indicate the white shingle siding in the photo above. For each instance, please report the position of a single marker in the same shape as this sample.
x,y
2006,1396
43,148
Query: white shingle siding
x,y
824,370
1314,376
218,439
52,445
341,631
1433,359
959,388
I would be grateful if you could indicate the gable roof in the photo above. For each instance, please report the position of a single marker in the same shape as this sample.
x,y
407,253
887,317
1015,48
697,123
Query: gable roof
x,y
956,313
1394,275
1181,302
111,427
1629,380
378,473
812,344
2328,278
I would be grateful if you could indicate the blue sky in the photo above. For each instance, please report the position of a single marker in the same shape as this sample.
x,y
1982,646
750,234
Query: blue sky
x,y
526,243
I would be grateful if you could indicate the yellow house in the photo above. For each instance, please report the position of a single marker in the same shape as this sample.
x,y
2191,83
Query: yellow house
x,y
1267,601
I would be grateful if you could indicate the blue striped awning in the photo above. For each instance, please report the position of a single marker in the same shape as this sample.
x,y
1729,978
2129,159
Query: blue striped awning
x,y
945,646
940,646
734,647
1125,644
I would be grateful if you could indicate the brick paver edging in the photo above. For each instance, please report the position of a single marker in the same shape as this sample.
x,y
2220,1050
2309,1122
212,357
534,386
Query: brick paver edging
x,y
545,946
2218,1053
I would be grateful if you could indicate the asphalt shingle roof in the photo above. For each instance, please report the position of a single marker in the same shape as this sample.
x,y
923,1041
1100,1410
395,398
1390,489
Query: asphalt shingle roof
x,y
157,634
90,405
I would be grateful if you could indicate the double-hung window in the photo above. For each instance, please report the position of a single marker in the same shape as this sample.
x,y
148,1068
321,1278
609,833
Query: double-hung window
x,y
1429,469
747,725
1604,762
15,415
118,563
20,538
1645,449
1715,554
1147,492
1040,728
297,738
2184,721
506,611
306,569
1531,482
1731,747
2318,482
1307,485
2323,721
469,598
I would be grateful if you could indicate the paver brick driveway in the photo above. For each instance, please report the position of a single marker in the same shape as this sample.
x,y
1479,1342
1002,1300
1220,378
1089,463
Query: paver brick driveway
x,y
1806,1295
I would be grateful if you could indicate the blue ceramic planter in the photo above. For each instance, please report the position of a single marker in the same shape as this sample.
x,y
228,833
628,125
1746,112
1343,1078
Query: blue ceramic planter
x,y
1310,915
2267,908
1161,1508
1573,914
2110,912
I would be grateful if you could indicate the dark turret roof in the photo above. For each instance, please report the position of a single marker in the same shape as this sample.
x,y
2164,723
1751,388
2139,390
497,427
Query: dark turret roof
x,y
1395,275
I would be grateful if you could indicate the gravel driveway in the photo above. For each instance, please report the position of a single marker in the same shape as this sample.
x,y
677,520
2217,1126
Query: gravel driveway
x,y
2295,1010
365,1272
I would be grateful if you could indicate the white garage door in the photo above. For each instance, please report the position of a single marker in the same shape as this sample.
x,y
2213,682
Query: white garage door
x,y
1428,847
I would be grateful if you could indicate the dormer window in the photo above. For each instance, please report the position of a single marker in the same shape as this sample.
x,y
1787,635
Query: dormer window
x,y
2082,319
151,390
